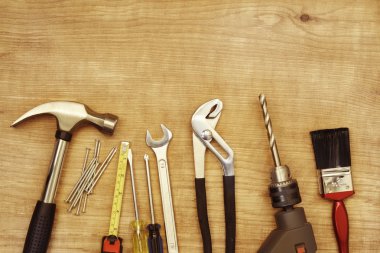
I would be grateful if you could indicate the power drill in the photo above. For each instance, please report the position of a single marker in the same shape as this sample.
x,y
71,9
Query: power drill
x,y
293,233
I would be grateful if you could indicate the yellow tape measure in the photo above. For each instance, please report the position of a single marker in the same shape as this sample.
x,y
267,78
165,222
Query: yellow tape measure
x,y
119,188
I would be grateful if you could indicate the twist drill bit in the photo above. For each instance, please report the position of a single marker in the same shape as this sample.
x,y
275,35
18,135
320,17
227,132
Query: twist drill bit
x,y
268,126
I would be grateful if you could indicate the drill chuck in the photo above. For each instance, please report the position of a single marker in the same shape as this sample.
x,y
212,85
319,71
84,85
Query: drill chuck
x,y
283,189
285,195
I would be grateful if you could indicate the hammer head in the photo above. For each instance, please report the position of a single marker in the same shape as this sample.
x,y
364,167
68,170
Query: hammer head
x,y
70,115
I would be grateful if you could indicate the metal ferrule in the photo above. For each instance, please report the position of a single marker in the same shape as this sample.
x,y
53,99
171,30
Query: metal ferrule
x,y
335,180
280,174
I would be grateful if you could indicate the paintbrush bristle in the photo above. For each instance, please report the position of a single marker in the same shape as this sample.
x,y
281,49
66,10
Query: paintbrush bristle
x,y
331,148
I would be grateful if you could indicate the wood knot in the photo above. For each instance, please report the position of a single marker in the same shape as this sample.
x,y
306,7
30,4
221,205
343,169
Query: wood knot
x,y
305,18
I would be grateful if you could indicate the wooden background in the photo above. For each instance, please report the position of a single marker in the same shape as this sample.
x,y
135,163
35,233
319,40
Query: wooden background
x,y
152,62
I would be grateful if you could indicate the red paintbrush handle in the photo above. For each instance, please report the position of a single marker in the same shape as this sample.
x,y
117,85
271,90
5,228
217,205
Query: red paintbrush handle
x,y
340,220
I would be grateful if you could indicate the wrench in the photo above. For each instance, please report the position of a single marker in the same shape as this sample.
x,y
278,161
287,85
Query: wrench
x,y
160,148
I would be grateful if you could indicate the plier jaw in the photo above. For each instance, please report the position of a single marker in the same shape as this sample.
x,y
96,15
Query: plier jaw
x,y
204,122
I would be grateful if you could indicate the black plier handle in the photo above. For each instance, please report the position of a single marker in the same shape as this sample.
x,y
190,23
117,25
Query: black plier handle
x,y
203,122
229,212
200,190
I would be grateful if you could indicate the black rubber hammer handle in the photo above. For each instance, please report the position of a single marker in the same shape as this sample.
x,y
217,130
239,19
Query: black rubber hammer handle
x,y
37,239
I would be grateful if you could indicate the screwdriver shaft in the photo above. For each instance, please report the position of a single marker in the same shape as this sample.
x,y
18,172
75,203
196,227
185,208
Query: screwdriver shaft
x,y
133,184
146,158
154,240
139,240
268,126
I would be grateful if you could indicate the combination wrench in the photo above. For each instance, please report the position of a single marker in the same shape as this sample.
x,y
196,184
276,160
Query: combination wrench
x,y
160,148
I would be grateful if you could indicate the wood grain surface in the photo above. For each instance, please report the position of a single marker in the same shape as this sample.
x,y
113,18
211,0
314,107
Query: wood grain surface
x,y
152,62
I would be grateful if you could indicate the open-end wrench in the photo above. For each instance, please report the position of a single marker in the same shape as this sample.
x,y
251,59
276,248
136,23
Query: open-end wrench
x,y
160,148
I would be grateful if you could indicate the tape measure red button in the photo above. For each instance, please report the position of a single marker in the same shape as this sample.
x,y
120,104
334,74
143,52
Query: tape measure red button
x,y
112,244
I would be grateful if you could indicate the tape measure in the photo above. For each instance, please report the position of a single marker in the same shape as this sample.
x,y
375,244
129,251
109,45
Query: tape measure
x,y
119,189
112,243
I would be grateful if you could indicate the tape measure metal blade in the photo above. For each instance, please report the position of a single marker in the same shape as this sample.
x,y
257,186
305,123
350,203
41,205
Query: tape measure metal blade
x,y
119,189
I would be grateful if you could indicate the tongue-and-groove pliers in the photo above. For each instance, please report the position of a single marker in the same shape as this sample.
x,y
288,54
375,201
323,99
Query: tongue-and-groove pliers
x,y
203,122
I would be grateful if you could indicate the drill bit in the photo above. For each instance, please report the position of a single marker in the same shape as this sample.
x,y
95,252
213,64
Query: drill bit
x,y
268,126
280,174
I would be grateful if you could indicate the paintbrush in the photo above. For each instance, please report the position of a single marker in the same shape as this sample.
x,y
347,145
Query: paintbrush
x,y
333,159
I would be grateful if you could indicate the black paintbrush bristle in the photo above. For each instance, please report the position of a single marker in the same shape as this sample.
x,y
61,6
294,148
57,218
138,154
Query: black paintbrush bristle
x,y
331,148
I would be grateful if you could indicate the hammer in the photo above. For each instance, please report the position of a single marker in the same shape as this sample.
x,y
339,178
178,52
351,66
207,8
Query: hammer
x,y
69,116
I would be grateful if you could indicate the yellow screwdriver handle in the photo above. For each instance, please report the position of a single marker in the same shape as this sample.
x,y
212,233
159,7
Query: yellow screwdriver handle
x,y
139,237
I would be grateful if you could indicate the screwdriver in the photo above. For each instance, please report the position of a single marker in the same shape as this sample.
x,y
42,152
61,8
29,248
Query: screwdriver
x,y
154,240
139,240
